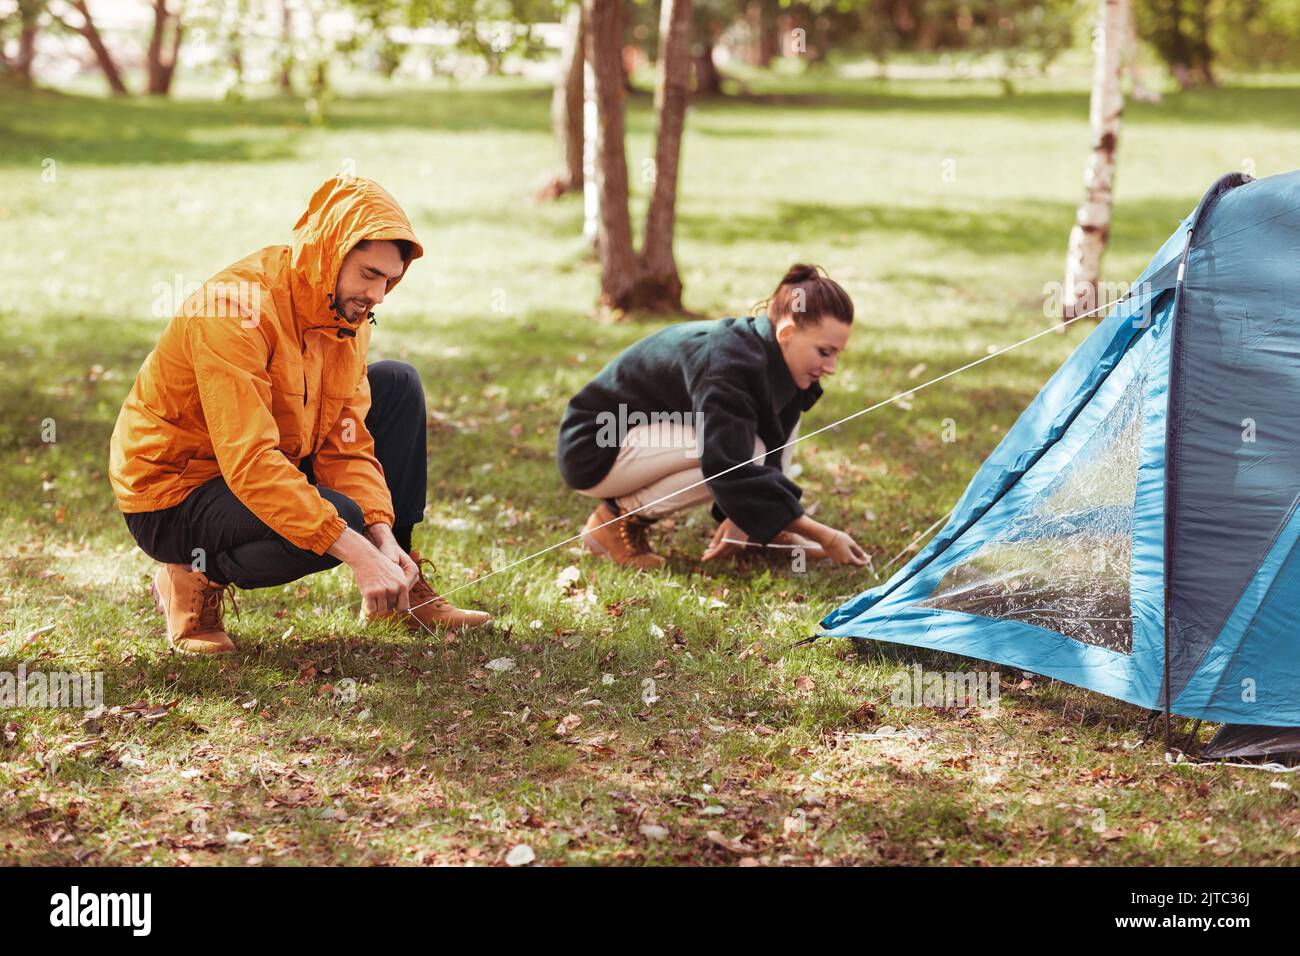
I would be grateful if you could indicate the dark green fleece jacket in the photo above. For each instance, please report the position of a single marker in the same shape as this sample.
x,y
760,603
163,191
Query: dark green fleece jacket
x,y
728,379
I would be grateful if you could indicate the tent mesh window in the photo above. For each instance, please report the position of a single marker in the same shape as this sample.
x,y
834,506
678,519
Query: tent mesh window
x,y
1063,563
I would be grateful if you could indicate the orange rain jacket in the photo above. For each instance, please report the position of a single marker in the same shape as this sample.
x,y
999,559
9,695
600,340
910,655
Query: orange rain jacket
x,y
256,372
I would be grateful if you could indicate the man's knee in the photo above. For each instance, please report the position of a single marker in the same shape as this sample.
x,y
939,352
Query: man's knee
x,y
348,509
394,378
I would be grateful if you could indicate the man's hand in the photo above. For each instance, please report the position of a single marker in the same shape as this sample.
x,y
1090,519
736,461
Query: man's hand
x,y
381,535
719,547
380,580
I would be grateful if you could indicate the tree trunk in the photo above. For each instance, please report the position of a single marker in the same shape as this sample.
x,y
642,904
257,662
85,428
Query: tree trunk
x,y
660,286
753,14
769,44
105,59
708,81
22,64
604,44
162,66
1092,224
760,18
174,56
1141,92
590,131
1185,43
286,48
320,78
567,107
153,85
927,36
630,282
29,15
1204,49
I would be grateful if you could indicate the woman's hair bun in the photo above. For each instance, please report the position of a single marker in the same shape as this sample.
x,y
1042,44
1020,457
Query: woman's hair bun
x,y
799,272
807,295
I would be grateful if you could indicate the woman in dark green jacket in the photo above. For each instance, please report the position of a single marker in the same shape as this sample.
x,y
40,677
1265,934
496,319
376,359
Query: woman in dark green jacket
x,y
706,411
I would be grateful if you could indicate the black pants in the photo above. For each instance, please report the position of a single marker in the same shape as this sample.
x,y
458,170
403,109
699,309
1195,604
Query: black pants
x,y
239,548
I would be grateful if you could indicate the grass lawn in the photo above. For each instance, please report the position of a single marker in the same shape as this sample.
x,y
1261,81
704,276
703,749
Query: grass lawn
x,y
944,209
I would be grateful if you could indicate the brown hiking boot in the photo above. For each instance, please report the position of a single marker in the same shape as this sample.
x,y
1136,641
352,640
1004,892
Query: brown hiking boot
x,y
625,542
430,611
192,606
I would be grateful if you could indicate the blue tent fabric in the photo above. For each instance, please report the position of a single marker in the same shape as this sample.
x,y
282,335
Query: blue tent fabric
x,y
1234,435
1183,404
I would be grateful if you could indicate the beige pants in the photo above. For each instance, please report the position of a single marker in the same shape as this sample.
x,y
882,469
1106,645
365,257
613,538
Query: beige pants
x,y
659,463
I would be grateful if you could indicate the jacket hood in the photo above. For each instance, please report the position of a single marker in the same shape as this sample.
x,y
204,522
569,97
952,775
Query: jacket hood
x,y
342,212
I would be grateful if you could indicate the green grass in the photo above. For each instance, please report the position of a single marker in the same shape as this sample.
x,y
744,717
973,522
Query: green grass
x,y
754,749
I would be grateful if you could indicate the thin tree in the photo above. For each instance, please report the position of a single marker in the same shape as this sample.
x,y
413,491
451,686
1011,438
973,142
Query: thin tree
x,y
1091,229
614,226
164,47
1179,30
661,284
708,27
764,41
1140,91
87,29
29,24
590,133
567,107
285,53
649,281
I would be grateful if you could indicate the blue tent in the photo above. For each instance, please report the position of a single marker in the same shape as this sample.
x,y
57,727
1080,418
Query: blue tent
x,y
1136,531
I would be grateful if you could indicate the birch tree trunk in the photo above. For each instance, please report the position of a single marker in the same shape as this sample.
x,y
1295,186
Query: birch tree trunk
x,y
1092,223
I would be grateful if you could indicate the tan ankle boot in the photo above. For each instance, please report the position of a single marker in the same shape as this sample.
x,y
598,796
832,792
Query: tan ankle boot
x,y
192,606
625,541
430,611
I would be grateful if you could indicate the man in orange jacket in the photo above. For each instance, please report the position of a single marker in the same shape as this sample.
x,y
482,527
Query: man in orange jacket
x,y
256,446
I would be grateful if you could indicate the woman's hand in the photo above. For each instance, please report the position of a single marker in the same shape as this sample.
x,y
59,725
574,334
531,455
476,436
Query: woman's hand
x,y
837,545
842,549
720,548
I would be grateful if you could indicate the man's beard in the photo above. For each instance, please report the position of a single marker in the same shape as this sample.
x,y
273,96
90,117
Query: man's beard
x,y
342,313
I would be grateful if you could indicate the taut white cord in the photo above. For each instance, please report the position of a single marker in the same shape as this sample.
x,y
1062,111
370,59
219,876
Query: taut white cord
x,y
847,418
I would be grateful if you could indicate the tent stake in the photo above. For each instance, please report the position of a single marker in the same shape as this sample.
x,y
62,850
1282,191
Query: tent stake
x,y
1152,717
